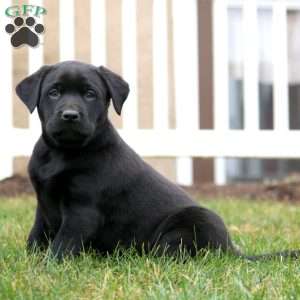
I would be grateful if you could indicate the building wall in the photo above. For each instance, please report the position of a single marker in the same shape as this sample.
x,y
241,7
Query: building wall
x,y
203,168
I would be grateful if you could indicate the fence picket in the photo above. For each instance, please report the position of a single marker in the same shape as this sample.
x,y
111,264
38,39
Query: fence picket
x,y
186,76
129,63
160,64
221,78
35,57
251,109
279,36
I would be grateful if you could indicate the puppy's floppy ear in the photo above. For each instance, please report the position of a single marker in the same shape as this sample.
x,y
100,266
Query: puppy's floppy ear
x,y
29,88
117,87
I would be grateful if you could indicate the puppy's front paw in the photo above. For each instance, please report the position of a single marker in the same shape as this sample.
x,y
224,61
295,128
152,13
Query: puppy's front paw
x,y
34,244
62,250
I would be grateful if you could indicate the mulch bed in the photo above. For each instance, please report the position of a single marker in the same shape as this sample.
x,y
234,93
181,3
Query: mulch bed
x,y
287,189
15,186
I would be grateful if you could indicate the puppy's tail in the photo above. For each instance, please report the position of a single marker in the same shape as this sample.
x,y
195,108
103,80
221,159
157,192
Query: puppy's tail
x,y
281,255
287,254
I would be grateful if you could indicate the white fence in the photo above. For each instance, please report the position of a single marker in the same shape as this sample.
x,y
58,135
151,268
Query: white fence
x,y
187,140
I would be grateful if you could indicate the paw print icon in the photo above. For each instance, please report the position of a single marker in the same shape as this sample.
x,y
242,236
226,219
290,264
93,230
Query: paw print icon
x,y
24,31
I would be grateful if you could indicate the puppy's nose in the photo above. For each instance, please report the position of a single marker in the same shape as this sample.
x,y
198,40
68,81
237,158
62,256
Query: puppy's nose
x,y
70,115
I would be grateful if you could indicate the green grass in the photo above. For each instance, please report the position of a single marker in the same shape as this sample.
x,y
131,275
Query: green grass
x,y
256,227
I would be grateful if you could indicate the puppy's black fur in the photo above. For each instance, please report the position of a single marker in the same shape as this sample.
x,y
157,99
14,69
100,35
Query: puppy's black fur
x,y
93,190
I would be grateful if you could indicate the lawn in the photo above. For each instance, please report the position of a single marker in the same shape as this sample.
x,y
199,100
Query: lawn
x,y
256,227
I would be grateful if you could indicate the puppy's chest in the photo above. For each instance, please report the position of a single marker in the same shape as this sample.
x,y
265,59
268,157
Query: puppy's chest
x,y
87,182
65,180
72,188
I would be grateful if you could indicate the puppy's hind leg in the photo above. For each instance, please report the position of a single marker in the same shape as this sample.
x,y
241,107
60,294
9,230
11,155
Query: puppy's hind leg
x,y
192,229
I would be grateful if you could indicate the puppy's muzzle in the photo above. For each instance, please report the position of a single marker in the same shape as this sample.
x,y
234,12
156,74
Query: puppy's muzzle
x,y
70,115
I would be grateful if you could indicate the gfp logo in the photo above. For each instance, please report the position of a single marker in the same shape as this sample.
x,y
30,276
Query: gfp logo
x,y
25,29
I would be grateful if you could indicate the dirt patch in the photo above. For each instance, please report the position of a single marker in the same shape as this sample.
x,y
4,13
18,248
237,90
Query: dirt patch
x,y
287,189
15,186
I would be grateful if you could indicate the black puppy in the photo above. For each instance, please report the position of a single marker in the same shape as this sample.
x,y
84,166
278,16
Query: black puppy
x,y
93,190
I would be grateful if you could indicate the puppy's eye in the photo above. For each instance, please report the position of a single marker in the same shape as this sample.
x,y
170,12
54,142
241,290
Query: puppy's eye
x,y
90,95
54,94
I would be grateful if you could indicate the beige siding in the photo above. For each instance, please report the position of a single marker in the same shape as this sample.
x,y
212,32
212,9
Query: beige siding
x,y
82,30
145,72
20,69
51,36
20,165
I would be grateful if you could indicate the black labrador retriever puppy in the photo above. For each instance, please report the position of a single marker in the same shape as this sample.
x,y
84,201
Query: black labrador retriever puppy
x,y
93,190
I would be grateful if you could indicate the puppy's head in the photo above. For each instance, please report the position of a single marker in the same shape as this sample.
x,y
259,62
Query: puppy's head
x,y
72,100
